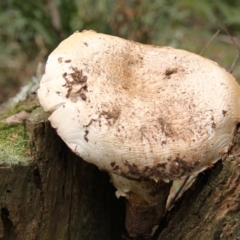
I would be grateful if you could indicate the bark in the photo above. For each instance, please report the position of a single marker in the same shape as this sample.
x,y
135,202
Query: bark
x,y
210,209
56,195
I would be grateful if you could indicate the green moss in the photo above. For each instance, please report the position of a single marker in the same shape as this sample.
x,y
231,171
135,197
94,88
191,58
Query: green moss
x,y
14,147
13,144
38,115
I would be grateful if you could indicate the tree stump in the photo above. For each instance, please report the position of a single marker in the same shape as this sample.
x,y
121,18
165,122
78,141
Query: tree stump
x,y
48,193
53,194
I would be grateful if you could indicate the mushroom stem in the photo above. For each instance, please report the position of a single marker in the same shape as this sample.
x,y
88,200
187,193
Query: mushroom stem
x,y
145,204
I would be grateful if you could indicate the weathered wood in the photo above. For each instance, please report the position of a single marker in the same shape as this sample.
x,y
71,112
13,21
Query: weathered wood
x,y
56,195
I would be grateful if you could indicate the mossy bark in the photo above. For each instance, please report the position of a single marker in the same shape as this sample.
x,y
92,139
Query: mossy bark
x,y
56,195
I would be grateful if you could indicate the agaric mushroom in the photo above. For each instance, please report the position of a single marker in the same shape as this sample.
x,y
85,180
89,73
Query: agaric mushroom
x,y
145,114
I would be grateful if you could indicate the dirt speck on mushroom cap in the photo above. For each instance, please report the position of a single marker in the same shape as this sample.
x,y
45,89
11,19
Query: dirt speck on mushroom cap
x,y
157,112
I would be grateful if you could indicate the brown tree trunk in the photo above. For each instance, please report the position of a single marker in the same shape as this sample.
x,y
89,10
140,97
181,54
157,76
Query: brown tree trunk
x,y
56,195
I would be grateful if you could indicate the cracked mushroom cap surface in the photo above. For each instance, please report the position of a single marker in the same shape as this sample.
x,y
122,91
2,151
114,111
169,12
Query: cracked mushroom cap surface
x,y
139,111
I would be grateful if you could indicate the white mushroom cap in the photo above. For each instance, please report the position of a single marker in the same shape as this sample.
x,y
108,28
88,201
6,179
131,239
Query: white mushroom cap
x,y
139,111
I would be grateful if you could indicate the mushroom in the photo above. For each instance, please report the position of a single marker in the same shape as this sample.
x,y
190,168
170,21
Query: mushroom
x,y
145,114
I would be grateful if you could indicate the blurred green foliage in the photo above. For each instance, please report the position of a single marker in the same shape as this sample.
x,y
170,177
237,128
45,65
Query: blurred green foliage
x,y
30,30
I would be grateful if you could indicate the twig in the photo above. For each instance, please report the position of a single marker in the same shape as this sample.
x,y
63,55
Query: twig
x,y
54,14
209,42
235,44
234,62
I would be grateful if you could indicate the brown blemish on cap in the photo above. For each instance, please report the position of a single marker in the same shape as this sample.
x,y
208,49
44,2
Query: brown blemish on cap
x,y
83,96
85,136
169,72
113,113
112,164
166,127
75,78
